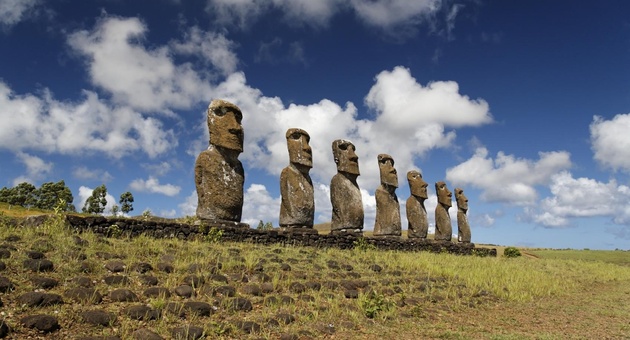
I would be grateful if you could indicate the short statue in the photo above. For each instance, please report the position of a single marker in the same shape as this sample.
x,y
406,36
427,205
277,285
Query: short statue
x,y
297,209
463,228
443,227
219,175
418,223
345,195
387,222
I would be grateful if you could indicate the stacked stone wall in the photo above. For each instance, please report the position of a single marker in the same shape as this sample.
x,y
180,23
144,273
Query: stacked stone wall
x,y
168,229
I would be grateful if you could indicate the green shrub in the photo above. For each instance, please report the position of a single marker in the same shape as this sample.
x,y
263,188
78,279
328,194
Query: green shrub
x,y
511,252
373,303
362,244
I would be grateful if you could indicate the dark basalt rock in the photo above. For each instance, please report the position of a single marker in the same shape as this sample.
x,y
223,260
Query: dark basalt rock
x,y
145,334
84,295
98,317
41,322
141,312
123,295
187,332
37,299
39,265
157,292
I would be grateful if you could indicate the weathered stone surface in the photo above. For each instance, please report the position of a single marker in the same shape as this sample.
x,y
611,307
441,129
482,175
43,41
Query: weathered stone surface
x,y
238,304
98,317
141,312
443,227
219,175
158,292
145,334
44,282
41,322
247,326
115,266
387,222
187,332
463,228
84,295
4,328
345,195
417,221
5,285
39,265
185,291
199,308
297,208
38,299
123,295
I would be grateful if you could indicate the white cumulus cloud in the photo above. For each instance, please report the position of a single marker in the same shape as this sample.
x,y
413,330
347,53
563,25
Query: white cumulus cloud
x,y
610,141
147,79
507,178
582,197
14,11
36,168
90,125
84,173
152,185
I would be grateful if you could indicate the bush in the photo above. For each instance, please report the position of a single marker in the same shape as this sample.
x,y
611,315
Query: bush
x,y
511,252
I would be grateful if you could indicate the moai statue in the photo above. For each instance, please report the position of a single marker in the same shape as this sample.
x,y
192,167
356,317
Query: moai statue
x,y
463,228
387,222
443,227
418,223
297,209
219,175
345,196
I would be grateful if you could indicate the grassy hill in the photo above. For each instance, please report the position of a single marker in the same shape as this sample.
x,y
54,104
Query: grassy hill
x,y
247,291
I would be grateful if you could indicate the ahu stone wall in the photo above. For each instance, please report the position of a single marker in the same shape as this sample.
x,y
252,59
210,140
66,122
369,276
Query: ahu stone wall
x,y
168,229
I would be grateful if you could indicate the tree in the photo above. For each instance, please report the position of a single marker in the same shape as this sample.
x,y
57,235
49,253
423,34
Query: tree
x,y
50,194
96,203
23,194
126,200
115,210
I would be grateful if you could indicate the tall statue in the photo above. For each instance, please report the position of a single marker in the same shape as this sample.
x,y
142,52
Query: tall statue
x,y
418,223
463,228
387,222
219,175
443,227
345,196
297,209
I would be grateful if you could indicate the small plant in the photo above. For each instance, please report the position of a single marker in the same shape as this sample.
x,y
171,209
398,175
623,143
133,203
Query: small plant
x,y
511,252
214,235
361,244
188,219
373,303
147,214
114,230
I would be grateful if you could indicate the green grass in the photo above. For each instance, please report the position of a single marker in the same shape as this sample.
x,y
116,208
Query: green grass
x,y
618,257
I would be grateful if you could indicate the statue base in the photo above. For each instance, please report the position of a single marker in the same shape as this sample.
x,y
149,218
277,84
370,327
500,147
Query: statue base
x,y
389,237
221,224
298,230
350,232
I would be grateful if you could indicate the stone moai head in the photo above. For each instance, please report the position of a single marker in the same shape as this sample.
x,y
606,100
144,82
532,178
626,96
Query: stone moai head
x,y
462,200
445,197
389,175
347,161
417,185
224,124
299,150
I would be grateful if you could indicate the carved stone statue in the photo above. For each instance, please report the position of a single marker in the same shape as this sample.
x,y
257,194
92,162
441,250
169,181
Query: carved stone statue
x,y
387,222
418,223
296,188
219,175
463,228
443,227
345,195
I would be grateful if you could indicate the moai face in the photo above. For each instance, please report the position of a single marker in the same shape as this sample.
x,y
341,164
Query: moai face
x,y
389,175
224,124
345,158
462,200
299,150
445,197
417,185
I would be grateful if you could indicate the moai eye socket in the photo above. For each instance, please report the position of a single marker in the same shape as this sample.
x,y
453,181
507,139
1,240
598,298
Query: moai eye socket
x,y
296,135
343,146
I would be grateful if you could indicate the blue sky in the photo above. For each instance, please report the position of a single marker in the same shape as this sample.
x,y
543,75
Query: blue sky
x,y
525,105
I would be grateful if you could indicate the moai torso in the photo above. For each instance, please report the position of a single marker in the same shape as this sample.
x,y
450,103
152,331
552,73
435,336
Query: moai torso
x,y
463,228
219,180
387,222
443,227
417,220
345,195
297,208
